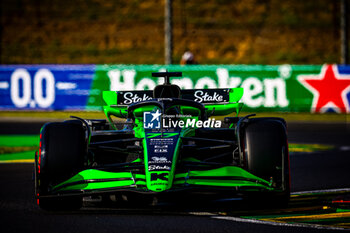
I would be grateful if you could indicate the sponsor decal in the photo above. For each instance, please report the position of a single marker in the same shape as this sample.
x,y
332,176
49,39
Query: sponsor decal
x,y
159,168
160,148
45,87
151,120
329,89
200,95
129,97
159,159
158,183
210,123
160,152
296,88
159,176
267,91
165,135
204,96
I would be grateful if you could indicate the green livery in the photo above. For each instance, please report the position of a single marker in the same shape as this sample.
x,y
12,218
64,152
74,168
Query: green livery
x,y
169,143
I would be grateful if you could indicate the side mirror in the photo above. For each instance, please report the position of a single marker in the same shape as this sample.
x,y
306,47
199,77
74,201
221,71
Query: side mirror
x,y
231,120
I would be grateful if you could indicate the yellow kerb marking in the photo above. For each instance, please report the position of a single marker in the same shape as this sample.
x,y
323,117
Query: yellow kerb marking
x,y
18,161
309,217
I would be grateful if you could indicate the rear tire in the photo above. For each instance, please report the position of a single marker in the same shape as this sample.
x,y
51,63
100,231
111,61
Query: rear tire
x,y
266,155
61,155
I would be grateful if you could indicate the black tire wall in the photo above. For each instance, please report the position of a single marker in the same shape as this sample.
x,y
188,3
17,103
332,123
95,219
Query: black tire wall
x,y
266,149
63,151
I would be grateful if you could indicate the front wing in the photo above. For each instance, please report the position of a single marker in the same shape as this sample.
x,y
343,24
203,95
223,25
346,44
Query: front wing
x,y
229,178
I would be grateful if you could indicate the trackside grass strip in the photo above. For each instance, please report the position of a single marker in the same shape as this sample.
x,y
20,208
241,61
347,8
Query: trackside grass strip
x,y
18,148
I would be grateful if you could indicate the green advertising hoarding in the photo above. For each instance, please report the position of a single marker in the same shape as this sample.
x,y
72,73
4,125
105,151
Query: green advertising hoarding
x,y
292,88
283,88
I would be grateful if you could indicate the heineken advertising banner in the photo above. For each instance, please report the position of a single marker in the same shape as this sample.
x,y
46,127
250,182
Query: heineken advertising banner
x,y
292,88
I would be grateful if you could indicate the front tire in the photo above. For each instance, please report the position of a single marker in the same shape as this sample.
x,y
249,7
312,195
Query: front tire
x,y
63,148
266,155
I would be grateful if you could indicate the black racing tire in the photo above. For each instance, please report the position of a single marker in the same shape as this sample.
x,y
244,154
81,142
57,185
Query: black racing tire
x,y
61,155
266,155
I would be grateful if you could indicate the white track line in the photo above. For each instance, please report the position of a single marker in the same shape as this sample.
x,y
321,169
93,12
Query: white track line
x,y
344,148
304,225
322,191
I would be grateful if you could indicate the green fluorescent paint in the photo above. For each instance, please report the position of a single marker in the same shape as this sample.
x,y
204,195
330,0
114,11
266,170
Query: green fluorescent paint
x,y
181,175
223,183
240,177
190,159
220,109
99,185
92,174
227,171
169,135
176,155
141,183
153,135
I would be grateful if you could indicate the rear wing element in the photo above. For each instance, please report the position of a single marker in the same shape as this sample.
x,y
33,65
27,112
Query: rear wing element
x,y
221,101
205,96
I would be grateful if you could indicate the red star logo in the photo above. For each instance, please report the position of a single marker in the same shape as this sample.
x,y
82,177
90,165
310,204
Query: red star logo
x,y
329,89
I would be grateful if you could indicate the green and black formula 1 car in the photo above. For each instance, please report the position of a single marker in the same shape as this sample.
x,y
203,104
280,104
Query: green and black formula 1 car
x,y
170,146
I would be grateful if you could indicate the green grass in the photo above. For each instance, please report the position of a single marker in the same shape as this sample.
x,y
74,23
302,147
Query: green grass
x,y
18,147
19,140
293,147
25,155
15,149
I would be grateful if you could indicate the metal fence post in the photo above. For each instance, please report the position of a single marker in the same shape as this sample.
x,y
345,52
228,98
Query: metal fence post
x,y
168,43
